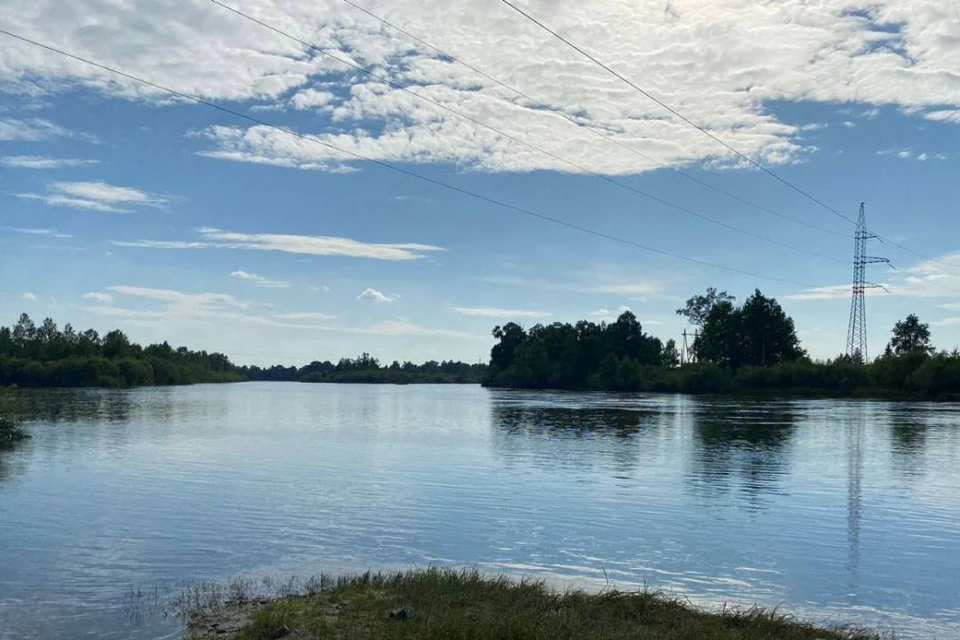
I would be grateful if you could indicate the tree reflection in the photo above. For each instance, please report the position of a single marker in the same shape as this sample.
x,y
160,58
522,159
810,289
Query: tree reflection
x,y
908,434
71,405
610,436
569,422
908,440
740,443
12,434
7,466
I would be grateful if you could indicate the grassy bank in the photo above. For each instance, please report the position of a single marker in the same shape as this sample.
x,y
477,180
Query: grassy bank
x,y
442,605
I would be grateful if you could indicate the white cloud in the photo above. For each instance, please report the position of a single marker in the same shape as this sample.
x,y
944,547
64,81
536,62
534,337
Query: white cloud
x,y
308,245
294,317
743,54
260,281
221,309
493,312
607,314
831,292
404,328
98,297
602,280
31,130
29,296
632,289
849,124
219,300
103,192
95,196
168,244
40,162
377,296
73,203
311,99
939,278
907,154
944,115
50,233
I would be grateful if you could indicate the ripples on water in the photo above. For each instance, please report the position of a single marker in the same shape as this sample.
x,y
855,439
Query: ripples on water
x,y
840,510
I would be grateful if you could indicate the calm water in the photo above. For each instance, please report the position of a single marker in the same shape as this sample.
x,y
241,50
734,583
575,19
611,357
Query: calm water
x,y
839,510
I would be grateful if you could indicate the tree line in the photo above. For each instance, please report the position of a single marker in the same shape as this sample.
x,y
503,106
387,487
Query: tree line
x,y
48,356
748,348
366,369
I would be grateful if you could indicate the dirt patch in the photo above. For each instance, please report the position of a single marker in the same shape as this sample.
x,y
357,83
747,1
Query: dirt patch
x,y
223,622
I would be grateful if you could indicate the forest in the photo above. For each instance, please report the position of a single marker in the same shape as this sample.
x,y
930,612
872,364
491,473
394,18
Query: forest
x,y
47,356
748,348
367,370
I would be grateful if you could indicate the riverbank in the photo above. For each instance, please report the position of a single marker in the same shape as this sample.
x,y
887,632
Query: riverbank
x,y
913,377
438,604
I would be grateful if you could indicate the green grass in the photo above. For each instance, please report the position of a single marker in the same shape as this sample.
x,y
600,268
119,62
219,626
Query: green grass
x,y
448,605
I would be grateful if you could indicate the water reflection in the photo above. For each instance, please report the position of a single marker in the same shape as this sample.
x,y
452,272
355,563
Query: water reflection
x,y
739,443
799,504
8,463
72,405
854,427
909,430
566,422
908,438
612,432
9,417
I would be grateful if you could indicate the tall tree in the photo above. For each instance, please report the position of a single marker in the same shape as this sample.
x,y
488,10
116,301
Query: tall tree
x,y
719,339
910,336
758,333
698,308
768,334
670,356
510,336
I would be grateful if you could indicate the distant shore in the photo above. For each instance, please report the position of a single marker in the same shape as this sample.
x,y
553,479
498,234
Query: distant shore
x,y
437,604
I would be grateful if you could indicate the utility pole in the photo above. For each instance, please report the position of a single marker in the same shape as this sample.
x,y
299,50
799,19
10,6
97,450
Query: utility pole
x,y
857,329
689,355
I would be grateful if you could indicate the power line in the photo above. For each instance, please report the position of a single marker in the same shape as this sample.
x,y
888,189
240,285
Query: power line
x,y
586,127
401,170
677,113
500,132
705,131
919,255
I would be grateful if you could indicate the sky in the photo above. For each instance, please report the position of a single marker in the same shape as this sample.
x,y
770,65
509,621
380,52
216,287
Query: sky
x,y
346,187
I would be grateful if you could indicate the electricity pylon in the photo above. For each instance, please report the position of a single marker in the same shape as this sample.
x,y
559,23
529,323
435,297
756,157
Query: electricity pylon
x,y
857,330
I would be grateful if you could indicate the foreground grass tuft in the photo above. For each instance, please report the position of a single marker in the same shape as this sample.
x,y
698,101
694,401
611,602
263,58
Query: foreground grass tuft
x,y
448,605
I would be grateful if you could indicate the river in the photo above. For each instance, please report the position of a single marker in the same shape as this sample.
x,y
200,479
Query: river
x,y
837,510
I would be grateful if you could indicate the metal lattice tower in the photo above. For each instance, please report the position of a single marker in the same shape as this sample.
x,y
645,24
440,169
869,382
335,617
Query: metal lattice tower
x,y
857,330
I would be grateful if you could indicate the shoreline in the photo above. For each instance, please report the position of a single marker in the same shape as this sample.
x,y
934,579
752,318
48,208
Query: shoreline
x,y
754,394
434,604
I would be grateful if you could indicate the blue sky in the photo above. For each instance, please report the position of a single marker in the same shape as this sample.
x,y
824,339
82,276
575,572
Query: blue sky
x,y
123,207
